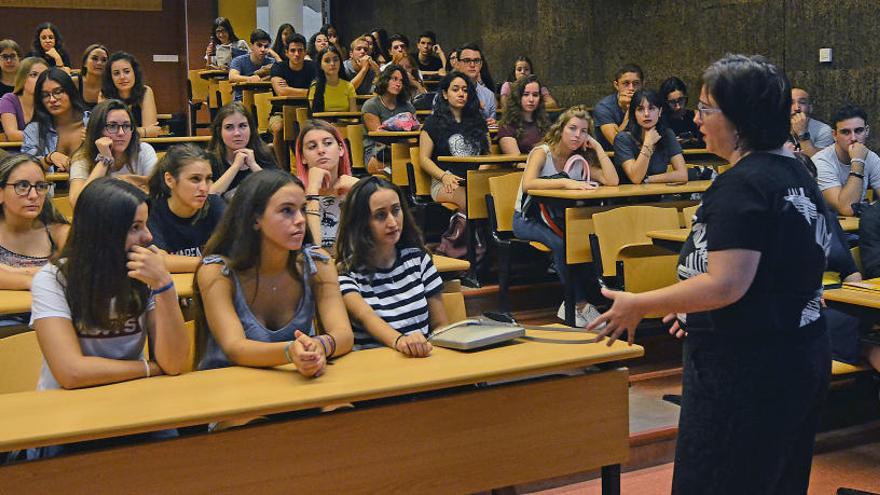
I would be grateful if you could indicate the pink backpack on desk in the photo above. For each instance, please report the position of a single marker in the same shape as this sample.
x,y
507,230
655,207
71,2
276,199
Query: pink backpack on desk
x,y
405,121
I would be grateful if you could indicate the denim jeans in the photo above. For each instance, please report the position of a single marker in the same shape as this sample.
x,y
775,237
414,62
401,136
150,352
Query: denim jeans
x,y
581,276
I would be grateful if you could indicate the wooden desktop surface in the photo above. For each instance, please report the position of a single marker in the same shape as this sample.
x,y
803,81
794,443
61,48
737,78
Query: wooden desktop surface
x,y
393,134
337,115
289,100
213,73
606,192
674,235
481,159
19,301
856,297
252,85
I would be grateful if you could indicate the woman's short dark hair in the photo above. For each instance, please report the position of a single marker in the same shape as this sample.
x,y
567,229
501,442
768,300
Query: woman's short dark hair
x,y
92,265
511,76
109,90
355,241
385,76
755,96
672,85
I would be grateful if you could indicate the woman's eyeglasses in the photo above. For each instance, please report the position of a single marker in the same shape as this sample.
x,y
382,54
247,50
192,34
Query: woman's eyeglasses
x,y
56,93
114,128
23,187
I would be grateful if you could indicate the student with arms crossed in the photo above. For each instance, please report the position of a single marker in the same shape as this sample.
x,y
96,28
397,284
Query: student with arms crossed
x,y
261,256
646,147
183,215
290,77
111,147
389,284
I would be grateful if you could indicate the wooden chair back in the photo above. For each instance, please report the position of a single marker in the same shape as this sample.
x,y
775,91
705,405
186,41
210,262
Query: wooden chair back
x,y
621,227
477,188
225,89
503,189
198,86
264,108
63,206
687,216
355,133
422,180
20,363
453,303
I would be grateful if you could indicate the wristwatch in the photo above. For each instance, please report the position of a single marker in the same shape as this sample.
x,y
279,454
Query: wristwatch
x,y
804,136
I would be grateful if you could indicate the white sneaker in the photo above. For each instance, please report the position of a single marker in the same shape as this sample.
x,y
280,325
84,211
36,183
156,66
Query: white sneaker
x,y
583,317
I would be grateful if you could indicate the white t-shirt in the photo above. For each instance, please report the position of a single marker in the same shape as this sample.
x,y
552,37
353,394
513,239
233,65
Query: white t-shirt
x,y
144,165
48,301
832,173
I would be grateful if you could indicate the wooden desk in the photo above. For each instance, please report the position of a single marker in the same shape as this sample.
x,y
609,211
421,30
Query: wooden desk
x,y
672,239
163,143
484,159
19,301
337,116
209,74
849,224
460,441
445,264
247,93
57,176
624,191
10,146
289,106
214,76
400,143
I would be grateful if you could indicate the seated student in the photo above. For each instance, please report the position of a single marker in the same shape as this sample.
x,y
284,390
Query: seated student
x,y
10,57
360,69
452,61
525,120
111,147
408,63
810,134
472,64
107,295
392,98
260,255
611,112
182,213
380,49
56,129
123,80
681,120
330,92
399,43
236,149
224,45
371,46
253,66
846,169
389,284
17,107
49,46
317,43
645,149
457,128
567,137
322,164
31,231
282,40
522,67
290,77
333,39
431,57
91,75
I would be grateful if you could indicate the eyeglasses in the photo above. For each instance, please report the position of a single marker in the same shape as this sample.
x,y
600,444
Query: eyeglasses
x,y
113,127
468,61
23,187
705,110
678,102
9,57
56,93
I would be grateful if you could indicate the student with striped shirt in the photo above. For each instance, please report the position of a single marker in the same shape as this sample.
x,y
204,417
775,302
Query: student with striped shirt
x,y
389,284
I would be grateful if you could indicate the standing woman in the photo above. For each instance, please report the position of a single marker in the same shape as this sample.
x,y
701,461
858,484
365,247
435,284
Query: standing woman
x,y
236,149
388,281
182,213
224,45
756,352
91,76
279,49
569,137
17,107
111,147
10,57
49,46
124,81
330,92
56,129
522,68
323,166
31,231
647,147
525,120
258,257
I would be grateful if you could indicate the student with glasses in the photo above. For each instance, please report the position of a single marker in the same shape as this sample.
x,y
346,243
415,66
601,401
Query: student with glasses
x,y
56,130
224,45
472,63
112,147
674,93
10,56
31,231
17,107
846,169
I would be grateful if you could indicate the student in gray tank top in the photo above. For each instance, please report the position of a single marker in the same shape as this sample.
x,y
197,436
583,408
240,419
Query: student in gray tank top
x,y
261,283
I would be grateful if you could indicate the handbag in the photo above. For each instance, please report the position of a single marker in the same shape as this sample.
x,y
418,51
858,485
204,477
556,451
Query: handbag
x,y
404,121
553,217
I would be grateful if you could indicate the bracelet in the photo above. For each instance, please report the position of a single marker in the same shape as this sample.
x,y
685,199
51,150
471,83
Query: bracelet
x,y
106,160
156,292
860,176
287,352
444,174
332,345
313,197
323,345
146,367
857,160
397,340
